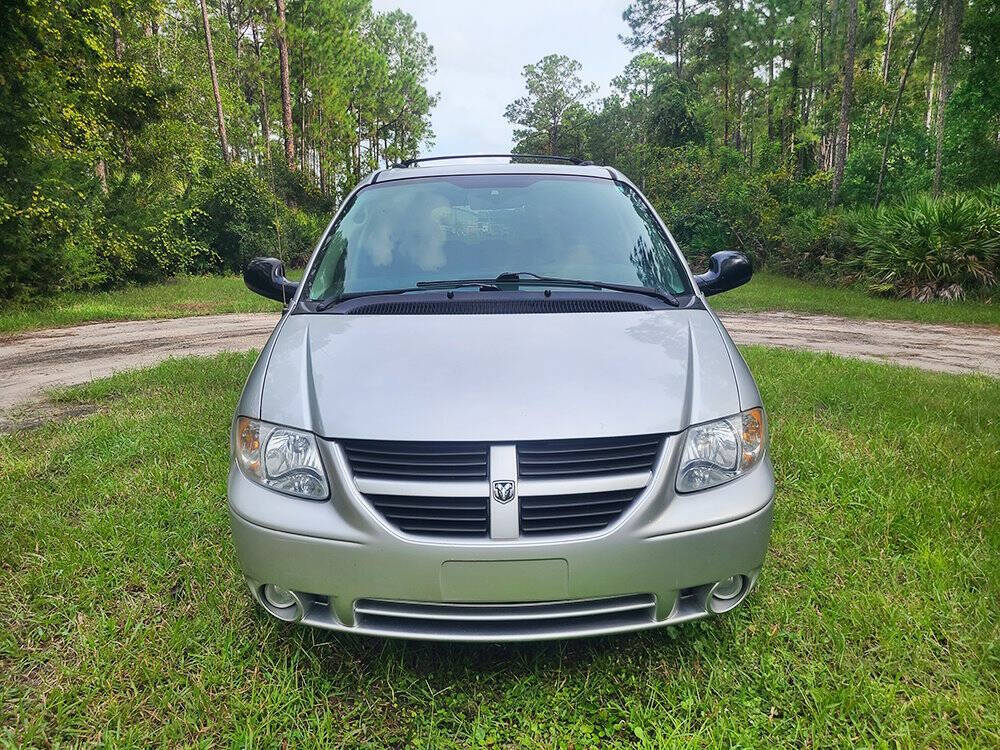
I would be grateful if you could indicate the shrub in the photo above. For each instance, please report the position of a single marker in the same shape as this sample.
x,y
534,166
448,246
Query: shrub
x,y
711,202
927,248
237,213
819,245
300,233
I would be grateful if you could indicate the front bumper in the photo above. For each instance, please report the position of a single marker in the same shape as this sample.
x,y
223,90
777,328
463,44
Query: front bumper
x,y
352,573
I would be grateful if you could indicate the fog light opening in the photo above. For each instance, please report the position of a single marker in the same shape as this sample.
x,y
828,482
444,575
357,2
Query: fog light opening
x,y
727,593
281,602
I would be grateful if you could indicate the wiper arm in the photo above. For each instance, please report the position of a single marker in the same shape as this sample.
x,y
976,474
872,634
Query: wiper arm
x,y
422,286
534,278
485,285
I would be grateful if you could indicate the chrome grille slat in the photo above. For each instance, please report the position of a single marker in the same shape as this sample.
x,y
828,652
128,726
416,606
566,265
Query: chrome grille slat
x,y
527,620
517,611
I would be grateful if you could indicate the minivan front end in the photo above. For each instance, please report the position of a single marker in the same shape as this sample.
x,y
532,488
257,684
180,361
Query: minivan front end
x,y
482,558
434,444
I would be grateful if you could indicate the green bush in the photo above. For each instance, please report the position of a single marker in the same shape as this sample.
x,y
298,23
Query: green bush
x,y
300,233
237,217
49,242
711,202
926,248
819,245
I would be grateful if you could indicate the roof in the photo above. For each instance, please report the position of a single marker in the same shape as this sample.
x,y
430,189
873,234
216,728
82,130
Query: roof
x,y
437,169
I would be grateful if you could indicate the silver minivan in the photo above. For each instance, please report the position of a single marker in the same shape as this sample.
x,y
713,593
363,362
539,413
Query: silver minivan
x,y
497,407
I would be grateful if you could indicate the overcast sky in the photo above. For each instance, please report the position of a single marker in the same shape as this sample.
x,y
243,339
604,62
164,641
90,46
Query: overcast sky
x,y
481,46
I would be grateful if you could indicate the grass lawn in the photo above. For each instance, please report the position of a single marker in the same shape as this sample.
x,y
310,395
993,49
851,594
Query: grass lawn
x,y
177,298
124,619
769,291
208,295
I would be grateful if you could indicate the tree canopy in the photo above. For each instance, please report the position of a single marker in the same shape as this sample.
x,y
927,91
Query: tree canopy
x,y
773,126
123,116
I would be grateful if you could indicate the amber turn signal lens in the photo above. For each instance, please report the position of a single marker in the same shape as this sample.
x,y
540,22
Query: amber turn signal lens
x,y
248,443
754,436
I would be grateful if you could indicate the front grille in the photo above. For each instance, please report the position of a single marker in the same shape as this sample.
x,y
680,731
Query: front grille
x,y
573,514
435,516
507,621
377,459
564,459
442,489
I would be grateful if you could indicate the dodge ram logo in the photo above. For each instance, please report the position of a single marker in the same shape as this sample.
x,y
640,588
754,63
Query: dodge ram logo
x,y
503,491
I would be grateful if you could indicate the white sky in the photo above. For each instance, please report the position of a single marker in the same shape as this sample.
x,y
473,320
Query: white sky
x,y
481,46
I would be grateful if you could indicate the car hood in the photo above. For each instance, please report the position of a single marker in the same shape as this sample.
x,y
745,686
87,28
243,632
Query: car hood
x,y
498,377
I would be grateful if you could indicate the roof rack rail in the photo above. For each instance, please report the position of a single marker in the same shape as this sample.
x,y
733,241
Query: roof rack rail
x,y
570,159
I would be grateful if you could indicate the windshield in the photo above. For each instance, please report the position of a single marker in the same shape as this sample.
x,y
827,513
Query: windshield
x,y
397,234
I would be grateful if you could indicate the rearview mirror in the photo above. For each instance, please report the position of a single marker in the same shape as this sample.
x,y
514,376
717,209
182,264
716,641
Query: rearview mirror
x,y
727,270
266,276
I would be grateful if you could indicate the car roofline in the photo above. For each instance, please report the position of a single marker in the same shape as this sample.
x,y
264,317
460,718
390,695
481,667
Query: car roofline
x,y
438,169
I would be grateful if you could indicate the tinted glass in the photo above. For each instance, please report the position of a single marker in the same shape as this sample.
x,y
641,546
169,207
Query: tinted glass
x,y
396,234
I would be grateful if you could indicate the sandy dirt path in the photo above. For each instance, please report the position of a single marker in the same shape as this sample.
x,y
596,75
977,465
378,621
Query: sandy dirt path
x,y
38,360
35,361
942,348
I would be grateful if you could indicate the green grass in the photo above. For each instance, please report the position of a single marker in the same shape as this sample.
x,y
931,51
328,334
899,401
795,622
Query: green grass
x,y
124,619
769,291
210,295
177,298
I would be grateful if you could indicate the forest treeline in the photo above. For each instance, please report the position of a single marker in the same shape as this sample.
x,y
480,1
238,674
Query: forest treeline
x,y
833,139
146,138
836,139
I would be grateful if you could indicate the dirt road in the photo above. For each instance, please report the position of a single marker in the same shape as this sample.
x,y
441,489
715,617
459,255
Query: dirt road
x,y
35,361
943,348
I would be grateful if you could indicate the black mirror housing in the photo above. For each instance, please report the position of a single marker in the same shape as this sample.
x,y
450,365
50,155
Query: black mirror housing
x,y
266,276
727,270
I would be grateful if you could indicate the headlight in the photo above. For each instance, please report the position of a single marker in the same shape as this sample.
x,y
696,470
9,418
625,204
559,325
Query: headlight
x,y
718,451
281,458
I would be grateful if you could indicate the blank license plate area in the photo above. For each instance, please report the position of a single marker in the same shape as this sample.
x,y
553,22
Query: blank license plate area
x,y
504,580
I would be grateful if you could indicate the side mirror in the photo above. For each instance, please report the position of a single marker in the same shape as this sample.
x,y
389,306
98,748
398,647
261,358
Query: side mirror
x,y
727,270
266,276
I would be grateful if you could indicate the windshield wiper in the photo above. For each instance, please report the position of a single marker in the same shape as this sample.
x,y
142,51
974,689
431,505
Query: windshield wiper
x,y
490,285
534,278
422,286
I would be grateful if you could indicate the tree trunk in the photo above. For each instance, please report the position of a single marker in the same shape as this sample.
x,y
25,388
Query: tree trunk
x,y
771,11
303,155
840,147
894,8
119,50
952,19
899,98
677,37
215,85
101,171
929,118
265,128
281,37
